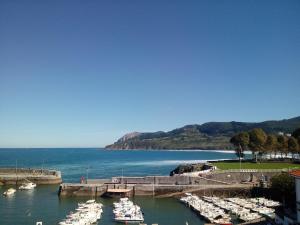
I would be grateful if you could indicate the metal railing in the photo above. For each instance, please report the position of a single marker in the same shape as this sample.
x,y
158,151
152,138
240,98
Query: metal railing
x,y
251,170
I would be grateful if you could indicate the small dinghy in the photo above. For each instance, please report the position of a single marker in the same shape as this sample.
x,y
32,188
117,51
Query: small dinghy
x,y
27,186
9,192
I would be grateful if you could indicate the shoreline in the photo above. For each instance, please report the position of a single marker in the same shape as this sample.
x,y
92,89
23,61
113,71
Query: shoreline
x,y
177,150
109,149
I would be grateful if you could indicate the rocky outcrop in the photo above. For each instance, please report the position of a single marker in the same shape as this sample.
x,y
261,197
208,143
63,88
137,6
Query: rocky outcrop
x,y
188,168
129,136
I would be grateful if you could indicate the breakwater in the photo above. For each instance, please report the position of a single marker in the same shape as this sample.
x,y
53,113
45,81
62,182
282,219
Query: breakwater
x,y
12,176
167,185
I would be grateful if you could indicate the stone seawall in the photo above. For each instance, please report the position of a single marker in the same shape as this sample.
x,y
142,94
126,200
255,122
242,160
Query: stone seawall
x,y
221,177
77,190
166,185
13,176
81,190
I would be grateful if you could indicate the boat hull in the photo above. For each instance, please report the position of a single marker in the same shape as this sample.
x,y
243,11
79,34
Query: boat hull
x,y
128,221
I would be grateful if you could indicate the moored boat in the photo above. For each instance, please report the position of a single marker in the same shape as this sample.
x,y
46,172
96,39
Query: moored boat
x,y
27,186
86,214
127,212
9,192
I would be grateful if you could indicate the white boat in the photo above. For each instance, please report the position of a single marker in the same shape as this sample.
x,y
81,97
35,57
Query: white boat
x,y
27,186
86,214
127,212
9,191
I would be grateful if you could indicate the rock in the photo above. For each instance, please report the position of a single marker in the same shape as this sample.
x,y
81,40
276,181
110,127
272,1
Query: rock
x,y
187,168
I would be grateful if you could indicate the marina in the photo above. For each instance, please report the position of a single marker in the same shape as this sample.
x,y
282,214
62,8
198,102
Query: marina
x,y
24,207
86,214
246,210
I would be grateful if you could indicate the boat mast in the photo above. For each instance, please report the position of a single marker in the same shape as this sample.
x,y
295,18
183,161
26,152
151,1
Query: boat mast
x,y
16,167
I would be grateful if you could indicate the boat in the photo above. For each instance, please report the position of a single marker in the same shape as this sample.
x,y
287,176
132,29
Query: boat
x,y
126,211
206,209
86,214
9,192
27,186
218,210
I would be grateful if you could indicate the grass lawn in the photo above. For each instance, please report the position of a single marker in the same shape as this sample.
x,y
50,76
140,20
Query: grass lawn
x,y
249,165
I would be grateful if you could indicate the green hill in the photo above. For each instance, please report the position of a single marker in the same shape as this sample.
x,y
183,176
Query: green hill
x,y
212,135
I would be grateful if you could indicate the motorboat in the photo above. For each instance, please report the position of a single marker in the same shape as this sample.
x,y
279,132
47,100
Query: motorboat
x,y
27,186
127,212
85,214
9,192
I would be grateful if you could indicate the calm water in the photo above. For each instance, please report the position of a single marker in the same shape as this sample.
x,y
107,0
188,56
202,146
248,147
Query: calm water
x,y
43,204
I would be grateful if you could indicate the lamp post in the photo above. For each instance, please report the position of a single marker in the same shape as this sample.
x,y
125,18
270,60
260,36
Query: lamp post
x,y
240,156
87,173
16,167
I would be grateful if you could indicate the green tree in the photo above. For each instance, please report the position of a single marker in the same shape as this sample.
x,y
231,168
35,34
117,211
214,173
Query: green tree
x,y
257,139
293,146
284,185
271,144
282,144
240,141
296,134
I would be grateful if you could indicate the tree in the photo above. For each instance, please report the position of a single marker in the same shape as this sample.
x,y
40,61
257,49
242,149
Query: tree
x,y
240,141
296,134
282,144
257,139
284,185
293,146
271,144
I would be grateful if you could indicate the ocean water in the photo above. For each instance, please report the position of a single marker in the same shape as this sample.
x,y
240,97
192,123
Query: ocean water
x,y
43,204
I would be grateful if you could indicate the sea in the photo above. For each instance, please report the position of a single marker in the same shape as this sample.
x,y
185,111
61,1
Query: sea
x,y
43,203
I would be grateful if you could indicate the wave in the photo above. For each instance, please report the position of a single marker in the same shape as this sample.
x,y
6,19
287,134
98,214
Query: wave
x,y
221,151
167,162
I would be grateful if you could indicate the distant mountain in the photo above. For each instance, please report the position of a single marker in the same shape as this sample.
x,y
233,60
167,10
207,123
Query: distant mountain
x,y
212,135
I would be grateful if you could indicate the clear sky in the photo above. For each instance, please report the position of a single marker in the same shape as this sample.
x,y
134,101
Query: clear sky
x,y
83,73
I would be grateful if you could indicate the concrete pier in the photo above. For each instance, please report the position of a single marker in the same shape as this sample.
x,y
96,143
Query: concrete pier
x,y
9,176
167,185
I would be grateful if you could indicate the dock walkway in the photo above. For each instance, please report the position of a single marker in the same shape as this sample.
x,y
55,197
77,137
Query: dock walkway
x,y
166,185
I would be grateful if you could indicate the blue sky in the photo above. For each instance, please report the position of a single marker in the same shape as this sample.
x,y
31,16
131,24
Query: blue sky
x,y
83,73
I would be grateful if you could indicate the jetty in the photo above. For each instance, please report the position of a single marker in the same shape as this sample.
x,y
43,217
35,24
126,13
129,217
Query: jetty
x,y
15,176
167,185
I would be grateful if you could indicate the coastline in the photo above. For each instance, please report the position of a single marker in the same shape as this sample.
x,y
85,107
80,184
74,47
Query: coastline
x,y
175,150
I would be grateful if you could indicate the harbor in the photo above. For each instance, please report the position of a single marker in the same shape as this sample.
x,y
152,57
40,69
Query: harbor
x,y
157,196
